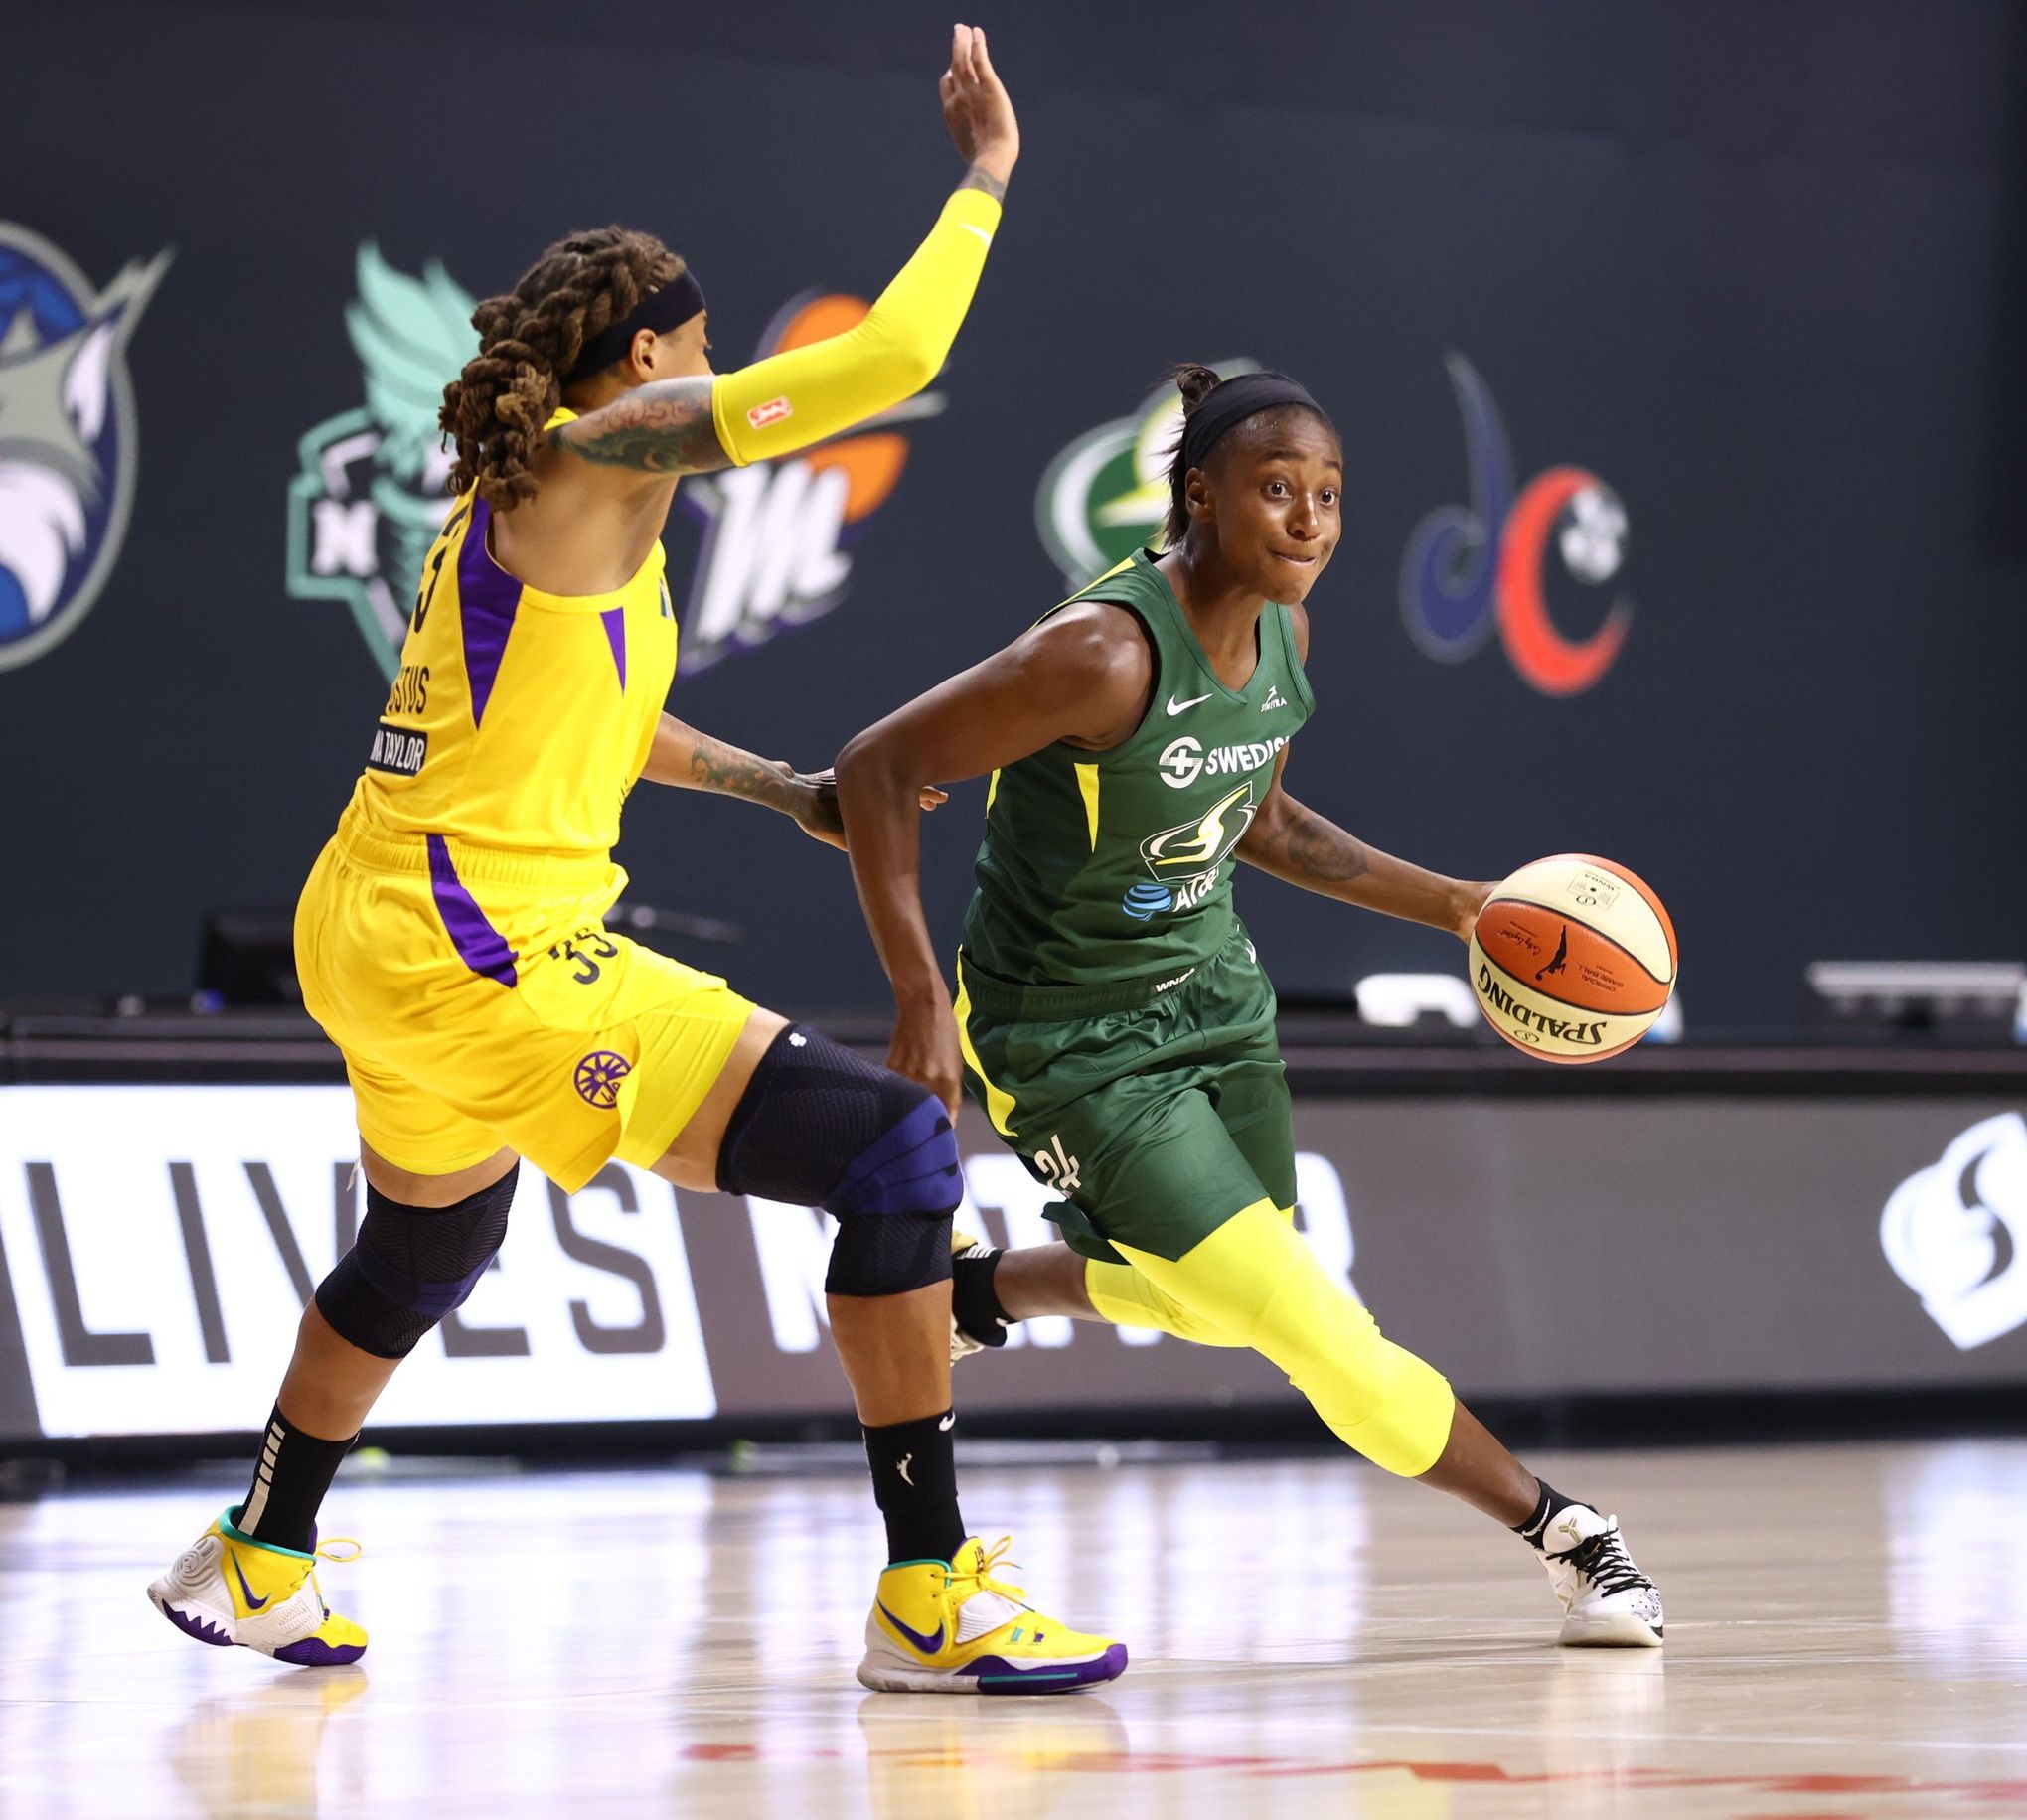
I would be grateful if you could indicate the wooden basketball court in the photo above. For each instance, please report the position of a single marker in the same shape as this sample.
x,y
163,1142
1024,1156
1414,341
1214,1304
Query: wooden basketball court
x,y
1847,1635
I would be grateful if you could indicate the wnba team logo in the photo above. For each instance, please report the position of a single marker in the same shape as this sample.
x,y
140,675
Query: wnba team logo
x,y
599,1077
776,545
1471,568
370,496
1956,1233
1106,494
67,436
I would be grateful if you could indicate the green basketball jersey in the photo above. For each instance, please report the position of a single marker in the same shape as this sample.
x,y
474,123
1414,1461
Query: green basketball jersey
x,y
1104,866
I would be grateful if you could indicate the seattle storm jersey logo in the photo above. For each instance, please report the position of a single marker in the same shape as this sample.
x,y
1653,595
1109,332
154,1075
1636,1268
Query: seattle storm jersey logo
x,y
1184,860
68,436
371,499
1106,494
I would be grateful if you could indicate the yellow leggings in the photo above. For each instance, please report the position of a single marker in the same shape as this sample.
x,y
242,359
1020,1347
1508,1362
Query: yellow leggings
x,y
1255,1282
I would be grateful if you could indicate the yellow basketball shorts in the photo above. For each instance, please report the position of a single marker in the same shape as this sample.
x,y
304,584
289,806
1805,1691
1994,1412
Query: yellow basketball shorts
x,y
480,1002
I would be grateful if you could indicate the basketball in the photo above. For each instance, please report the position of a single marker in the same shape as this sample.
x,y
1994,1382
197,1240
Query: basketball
x,y
1573,958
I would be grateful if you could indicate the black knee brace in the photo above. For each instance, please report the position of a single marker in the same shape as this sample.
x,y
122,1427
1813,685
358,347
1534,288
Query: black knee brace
x,y
820,1127
411,1266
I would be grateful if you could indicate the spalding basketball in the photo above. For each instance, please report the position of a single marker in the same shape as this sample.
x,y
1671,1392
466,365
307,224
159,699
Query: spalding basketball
x,y
1573,958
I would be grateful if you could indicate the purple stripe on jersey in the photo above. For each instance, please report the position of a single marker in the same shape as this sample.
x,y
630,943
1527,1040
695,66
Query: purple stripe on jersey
x,y
615,632
479,945
486,597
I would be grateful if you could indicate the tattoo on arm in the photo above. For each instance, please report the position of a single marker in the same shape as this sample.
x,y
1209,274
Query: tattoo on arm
x,y
730,771
978,179
1306,848
662,427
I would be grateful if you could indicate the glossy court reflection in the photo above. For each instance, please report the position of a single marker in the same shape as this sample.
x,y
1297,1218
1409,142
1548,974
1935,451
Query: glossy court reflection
x,y
1847,1636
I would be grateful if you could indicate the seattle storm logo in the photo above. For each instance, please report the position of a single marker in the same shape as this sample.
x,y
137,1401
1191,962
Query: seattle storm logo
x,y
371,496
67,436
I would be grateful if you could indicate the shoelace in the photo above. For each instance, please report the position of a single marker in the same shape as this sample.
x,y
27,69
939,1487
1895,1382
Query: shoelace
x,y
980,1580
1602,1559
324,1550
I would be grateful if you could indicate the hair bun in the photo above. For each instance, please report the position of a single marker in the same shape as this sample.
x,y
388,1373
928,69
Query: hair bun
x,y
1195,383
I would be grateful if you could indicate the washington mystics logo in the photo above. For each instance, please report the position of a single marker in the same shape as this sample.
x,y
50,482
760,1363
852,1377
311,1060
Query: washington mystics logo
x,y
1470,569
370,499
777,533
67,436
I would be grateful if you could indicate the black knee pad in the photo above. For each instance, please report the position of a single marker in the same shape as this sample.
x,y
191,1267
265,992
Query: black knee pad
x,y
411,1266
820,1126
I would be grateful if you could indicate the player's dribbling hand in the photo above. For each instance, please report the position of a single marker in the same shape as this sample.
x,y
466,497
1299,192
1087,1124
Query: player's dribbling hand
x,y
925,1049
976,105
816,811
1471,903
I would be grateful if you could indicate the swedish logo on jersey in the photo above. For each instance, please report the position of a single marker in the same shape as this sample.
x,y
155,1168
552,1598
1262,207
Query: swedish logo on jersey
x,y
1184,860
371,498
1106,494
67,436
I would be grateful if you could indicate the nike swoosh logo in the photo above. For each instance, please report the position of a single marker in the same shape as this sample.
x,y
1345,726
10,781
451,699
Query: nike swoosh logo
x,y
1177,708
928,1645
253,1604
974,228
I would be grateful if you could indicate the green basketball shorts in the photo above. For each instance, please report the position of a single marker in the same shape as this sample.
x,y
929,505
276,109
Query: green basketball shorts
x,y
1153,1109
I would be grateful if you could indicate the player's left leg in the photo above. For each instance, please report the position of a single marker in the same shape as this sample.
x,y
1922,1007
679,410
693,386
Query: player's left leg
x,y
794,1117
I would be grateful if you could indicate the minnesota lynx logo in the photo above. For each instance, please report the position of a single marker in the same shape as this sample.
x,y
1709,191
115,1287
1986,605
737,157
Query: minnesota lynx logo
x,y
370,499
1106,494
67,436
778,534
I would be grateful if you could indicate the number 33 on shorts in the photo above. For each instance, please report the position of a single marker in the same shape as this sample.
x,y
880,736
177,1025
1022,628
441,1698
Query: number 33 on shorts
x,y
1056,1166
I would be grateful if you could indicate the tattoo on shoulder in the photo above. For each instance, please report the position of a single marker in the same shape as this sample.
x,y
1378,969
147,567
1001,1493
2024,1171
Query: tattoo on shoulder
x,y
977,179
662,427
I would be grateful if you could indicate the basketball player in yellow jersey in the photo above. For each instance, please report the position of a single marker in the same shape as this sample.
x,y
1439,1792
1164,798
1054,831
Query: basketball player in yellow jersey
x,y
451,942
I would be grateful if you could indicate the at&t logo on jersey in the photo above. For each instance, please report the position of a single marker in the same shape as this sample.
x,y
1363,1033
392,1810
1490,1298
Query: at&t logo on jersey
x,y
370,499
1106,494
777,533
68,436
1469,569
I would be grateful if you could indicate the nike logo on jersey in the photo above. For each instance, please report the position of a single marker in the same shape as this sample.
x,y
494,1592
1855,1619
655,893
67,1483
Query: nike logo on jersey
x,y
1178,708
1274,700
928,1645
253,1604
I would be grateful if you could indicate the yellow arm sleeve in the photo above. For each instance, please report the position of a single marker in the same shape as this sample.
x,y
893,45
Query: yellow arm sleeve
x,y
790,400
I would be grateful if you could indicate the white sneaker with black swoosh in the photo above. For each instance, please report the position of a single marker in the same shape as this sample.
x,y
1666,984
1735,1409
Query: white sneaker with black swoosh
x,y
1607,1601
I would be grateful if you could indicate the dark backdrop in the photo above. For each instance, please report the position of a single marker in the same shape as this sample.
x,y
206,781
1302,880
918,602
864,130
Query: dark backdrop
x,y
1750,265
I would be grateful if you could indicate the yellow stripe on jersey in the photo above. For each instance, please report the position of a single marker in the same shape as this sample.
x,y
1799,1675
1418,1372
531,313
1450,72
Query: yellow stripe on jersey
x,y
999,1102
1087,786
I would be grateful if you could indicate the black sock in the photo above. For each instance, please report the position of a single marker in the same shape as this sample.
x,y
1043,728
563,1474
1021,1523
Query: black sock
x,y
973,1302
914,1482
1551,1502
290,1477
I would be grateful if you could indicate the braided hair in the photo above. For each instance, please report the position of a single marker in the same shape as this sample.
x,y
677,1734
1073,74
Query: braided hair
x,y
529,340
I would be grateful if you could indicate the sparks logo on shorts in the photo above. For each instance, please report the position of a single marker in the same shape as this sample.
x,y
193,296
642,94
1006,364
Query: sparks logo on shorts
x,y
777,533
1469,568
1956,1233
370,499
1106,494
68,436
599,1075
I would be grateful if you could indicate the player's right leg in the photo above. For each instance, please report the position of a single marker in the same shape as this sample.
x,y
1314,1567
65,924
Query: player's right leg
x,y
794,1117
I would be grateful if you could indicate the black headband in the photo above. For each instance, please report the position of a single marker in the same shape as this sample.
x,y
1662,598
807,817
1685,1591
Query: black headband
x,y
1241,396
669,308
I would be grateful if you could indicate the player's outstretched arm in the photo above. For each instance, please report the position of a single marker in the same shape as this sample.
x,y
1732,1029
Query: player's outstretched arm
x,y
690,760
790,400
1083,676
1292,841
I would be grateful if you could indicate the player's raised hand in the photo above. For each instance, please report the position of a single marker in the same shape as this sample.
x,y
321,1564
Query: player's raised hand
x,y
977,107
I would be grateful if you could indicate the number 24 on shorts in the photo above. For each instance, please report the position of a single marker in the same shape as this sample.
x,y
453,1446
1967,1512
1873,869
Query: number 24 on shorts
x,y
1056,1166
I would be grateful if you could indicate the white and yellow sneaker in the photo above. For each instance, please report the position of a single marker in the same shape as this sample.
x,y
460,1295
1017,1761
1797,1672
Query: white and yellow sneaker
x,y
950,1627
227,1589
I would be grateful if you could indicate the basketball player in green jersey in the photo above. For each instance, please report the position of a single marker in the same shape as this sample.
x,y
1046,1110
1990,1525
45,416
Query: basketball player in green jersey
x,y
1111,1015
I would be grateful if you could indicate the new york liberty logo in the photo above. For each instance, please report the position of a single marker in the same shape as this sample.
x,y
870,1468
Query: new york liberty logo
x,y
68,437
1106,494
370,499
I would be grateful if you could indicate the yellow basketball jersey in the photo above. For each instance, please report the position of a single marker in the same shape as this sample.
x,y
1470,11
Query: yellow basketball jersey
x,y
520,720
